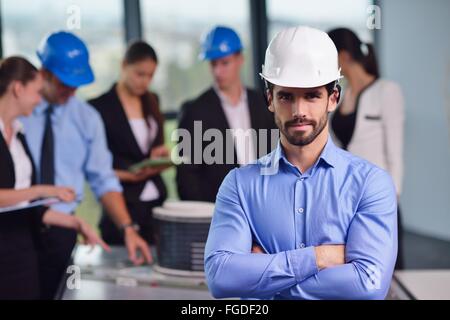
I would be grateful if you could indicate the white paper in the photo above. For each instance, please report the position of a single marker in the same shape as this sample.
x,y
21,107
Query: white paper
x,y
26,205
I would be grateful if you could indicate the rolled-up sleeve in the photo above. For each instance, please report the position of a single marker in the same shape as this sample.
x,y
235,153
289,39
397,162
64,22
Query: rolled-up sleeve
x,y
232,270
98,165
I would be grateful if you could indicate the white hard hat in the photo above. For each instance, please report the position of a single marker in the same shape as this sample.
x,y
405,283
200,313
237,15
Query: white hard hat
x,y
301,57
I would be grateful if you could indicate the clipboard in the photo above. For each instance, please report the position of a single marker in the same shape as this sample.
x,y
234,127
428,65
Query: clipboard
x,y
151,163
40,202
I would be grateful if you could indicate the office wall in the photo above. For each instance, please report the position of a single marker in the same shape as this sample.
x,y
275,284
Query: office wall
x,y
414,49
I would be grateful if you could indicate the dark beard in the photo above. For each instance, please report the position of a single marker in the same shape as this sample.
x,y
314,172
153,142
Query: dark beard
x,y
299,139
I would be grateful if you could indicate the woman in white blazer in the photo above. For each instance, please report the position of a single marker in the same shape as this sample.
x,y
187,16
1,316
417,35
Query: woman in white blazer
x,y
369,120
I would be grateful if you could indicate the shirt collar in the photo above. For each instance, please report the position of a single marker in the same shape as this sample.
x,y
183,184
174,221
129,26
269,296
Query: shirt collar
x,y
17,127
225,100
42,107
57,109
327,156
329,152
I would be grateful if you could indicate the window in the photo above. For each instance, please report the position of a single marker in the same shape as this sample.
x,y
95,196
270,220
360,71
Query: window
x,y
100,25
174,29
321,14
26,22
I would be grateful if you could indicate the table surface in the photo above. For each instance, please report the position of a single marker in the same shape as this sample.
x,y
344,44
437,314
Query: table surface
x,y
425,284
101,290
110,276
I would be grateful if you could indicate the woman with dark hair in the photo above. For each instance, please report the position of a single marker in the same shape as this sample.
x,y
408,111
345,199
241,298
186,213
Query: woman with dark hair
x,y
20,222
369,120
134,130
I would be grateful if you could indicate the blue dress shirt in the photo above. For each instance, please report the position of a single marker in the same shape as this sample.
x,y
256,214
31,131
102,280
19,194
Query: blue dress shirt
x,y
81,151
341,199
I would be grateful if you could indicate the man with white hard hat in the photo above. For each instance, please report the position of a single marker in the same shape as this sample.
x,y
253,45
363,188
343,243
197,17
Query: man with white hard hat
x,y
320,223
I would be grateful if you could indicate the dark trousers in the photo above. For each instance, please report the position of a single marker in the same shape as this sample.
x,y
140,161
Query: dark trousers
x,y
19,276
141,213
19,279
399,265
54,257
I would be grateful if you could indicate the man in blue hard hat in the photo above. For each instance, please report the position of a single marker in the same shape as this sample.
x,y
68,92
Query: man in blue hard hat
x,y
68,144
226,105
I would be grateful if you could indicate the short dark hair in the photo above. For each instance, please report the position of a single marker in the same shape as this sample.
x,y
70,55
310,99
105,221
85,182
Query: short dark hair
x,y
138,51
15,68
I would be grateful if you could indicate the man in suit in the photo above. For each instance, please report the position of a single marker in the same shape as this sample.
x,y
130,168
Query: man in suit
x,y
226,105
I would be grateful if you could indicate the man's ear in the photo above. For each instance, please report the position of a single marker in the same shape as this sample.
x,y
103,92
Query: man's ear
x,y
269,99
338,89
334,99
241,58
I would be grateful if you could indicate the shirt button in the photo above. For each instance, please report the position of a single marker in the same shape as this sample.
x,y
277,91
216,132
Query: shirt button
x,y
302,245
300,210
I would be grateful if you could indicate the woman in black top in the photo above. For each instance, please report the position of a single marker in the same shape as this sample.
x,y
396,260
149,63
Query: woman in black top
x,y
134,130
20,84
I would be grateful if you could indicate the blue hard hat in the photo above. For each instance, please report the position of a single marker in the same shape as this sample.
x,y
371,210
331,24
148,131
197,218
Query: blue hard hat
x,y
67,57
220,42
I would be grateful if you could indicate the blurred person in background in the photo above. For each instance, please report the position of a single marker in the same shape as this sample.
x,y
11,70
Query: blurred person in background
x,y
225,105
68,144
135,132
20,224
369,121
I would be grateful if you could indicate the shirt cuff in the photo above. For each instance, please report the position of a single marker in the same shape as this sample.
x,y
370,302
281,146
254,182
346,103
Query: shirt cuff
x,y
303,263
111,185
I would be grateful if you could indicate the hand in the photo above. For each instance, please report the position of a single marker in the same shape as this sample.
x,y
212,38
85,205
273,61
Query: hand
x,y
257,249
62,193
329,255
90,237
138,249
149,172
146,173
159,152
134,177
141,175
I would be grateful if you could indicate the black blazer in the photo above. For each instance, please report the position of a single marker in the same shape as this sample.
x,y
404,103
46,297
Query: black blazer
x,y
201,182
123,144
19,229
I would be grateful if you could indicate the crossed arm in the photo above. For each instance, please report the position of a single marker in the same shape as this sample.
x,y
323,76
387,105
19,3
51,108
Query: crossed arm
x,y
233,271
